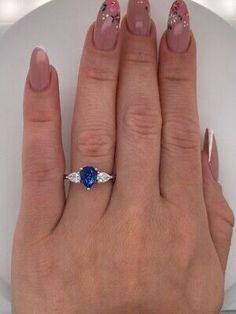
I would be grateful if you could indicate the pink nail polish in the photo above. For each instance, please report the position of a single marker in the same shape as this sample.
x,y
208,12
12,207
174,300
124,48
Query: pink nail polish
x,y
39,72
107,25
178,31
210,148
138,17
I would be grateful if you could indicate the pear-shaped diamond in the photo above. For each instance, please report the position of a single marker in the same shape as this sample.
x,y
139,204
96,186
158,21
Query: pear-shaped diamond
x,y
74,177
103,177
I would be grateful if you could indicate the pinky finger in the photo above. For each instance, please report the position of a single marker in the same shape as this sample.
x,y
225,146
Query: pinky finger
x,y
220,215
43,194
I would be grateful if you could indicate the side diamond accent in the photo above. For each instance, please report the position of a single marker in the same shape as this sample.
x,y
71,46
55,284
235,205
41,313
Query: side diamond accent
x,y
103,177
74,177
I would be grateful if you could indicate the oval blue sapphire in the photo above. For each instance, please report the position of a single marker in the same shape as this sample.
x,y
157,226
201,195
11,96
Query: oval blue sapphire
x,y
88,176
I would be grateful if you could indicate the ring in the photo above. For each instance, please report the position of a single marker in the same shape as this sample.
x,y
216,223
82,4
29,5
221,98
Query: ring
x,y
88,176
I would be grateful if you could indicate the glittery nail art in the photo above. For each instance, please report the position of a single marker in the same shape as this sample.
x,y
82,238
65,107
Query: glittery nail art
x,y
107,25
138,17
111,11
178,30
178,14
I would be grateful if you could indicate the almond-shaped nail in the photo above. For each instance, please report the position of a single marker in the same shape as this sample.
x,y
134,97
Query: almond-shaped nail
x,y
178,30
39,72
107,25
210,148
138,17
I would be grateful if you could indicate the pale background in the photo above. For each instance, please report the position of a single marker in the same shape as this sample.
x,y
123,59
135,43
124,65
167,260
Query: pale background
x,y
13,10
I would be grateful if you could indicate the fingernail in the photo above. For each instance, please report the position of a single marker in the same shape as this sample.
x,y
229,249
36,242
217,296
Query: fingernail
x,y
210,148
107,25
39,72
178,31
138,17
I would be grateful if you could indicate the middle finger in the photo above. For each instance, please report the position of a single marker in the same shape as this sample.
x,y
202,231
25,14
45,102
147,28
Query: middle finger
x,y
139,115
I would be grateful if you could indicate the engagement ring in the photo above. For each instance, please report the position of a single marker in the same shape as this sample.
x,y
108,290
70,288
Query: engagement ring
x,y
88,176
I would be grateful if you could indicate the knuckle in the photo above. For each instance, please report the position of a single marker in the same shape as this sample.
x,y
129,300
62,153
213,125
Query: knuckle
x,y
179,70
41,107
143,119
181,133
43,162
42,172
99,72
176,78
95,143
138,56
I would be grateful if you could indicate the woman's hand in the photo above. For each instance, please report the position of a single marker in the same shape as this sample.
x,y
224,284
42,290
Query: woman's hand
x,y
157,239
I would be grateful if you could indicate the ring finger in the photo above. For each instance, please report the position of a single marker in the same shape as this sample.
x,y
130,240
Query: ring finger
x,y
93,133
181,174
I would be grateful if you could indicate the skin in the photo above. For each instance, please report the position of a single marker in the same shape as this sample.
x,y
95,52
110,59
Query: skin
x,y
154,241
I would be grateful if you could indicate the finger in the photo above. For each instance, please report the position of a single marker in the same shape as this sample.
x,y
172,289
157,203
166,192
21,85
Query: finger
x,y
220,216
181,151
43,158
93,134
139,117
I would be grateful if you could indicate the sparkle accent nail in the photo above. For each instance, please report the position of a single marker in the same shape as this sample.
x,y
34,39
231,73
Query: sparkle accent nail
x,y
107,25
210,148
178,30
138,17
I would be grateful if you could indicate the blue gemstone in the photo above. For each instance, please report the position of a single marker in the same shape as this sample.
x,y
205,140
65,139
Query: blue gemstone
x,y
88,176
